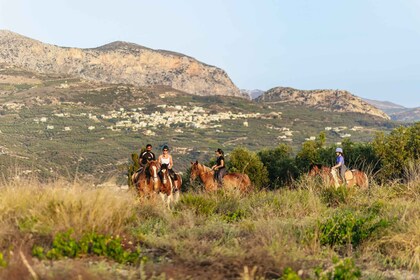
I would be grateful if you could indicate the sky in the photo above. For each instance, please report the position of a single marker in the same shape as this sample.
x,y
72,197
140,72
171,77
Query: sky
x,y
368,47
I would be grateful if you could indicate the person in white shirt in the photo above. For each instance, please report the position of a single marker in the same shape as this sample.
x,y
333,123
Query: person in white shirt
x,y
166,158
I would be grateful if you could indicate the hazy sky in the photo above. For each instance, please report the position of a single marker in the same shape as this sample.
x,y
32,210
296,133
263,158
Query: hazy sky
x,y
368,47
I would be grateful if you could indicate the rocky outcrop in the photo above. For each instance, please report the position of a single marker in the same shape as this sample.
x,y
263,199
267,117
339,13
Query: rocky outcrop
x,y
117,62
326,100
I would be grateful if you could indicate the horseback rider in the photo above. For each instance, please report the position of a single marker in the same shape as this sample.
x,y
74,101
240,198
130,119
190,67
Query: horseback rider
x,y
340,164
219,168
166,158
146,156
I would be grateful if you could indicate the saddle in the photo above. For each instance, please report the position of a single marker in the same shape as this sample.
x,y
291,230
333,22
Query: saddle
x,y
348,175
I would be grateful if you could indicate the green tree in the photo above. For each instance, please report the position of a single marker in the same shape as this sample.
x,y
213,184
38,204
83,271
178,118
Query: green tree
x,y
244,161
132,168
280,165
397,149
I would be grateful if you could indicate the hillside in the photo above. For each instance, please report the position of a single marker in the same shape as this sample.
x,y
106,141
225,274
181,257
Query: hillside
x,y
117,62
55,125
397,112
326,100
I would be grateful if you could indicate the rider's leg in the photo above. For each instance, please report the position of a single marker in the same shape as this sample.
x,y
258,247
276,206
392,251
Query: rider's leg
x,y
343,174
172,175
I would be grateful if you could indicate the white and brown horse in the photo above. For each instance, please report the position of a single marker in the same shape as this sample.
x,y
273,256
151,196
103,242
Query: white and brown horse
x,y
239,181
169,189
147,181
330,176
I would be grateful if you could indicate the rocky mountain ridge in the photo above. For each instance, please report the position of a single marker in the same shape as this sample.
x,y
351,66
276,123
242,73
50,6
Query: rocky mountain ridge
x,y
117,62
324,99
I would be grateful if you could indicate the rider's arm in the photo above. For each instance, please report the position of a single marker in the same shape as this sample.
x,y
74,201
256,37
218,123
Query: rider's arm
x,y
222,164
170,162
337,165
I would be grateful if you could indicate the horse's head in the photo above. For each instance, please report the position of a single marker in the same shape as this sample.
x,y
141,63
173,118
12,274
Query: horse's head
x,y
153,166
195,170
164,167
314,169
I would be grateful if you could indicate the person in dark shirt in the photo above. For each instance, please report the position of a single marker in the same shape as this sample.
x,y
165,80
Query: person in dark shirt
x,y
146,156
219,168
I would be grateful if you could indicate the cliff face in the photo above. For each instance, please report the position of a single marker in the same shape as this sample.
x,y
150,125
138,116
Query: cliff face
x,y
326,100
117,62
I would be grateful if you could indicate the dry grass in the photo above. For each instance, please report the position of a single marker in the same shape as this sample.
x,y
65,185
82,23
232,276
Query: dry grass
x,y
217,235
50,208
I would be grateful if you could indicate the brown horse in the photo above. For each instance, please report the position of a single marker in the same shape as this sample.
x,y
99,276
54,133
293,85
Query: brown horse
x,y
240,181
169,189
330,176
146,181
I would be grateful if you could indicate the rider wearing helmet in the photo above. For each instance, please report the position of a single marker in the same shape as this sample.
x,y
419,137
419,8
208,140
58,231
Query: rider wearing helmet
x,y
340,164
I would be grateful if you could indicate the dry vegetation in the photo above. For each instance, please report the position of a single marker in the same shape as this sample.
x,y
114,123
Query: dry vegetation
x,y
305,232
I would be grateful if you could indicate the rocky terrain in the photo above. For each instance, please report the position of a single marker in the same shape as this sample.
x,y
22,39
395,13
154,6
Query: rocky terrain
x,y
324,99
117,62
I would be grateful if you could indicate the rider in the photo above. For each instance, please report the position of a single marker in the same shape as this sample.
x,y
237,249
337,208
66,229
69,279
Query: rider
x,y
219,168
166,158
146,156
340,164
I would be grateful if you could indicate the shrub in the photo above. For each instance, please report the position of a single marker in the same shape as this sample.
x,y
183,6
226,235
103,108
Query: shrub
x,y
347,228
342,270
279,164
397,149
132,168
244,161
64,245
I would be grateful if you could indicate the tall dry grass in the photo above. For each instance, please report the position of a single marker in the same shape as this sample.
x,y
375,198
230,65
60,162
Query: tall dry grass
x,y
45,209
219,233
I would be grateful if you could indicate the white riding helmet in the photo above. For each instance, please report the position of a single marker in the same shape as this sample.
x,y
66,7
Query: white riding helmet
x,y
339,150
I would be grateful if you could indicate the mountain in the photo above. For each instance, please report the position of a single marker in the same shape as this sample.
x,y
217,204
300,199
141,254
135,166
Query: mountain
x,y
118,63
253,93
323,99
397,112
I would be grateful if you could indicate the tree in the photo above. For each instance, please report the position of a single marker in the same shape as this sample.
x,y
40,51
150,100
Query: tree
x,y
244,161
280,165
397,150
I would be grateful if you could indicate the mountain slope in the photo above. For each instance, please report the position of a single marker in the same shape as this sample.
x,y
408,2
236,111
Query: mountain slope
x,y
397,112
117,62
326,100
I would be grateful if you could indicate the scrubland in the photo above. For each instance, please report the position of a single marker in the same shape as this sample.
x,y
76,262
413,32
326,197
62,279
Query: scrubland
x,y
74,230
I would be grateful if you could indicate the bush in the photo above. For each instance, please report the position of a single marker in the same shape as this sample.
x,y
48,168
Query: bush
x,y
279,164
342,270
347,228
64,245
244,161
397,150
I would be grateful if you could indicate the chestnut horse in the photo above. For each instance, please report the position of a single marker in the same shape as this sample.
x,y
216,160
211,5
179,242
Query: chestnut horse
x,y
146,182
169,189
330,176
240,181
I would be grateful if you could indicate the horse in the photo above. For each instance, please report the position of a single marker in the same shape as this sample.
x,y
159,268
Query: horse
x,y
330,176
169,189
240,181
146,181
